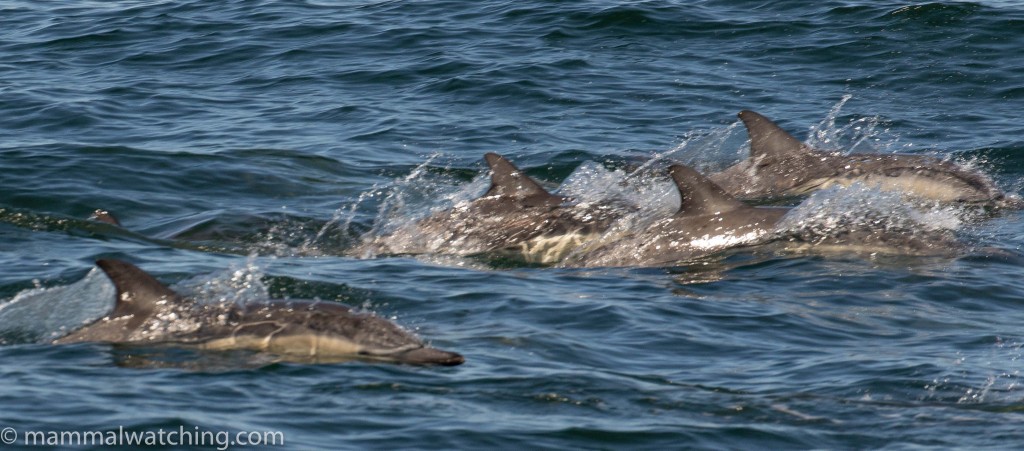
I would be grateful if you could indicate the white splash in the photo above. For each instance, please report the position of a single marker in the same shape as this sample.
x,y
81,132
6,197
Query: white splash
x,y
842,207
38,314
236,285
726,240
592,183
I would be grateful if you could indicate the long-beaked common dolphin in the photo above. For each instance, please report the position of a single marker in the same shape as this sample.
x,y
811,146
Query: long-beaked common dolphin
x,y
516,214
710,221
782,166
147,311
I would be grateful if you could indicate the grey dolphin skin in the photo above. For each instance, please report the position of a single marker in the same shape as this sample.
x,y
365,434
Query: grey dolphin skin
x,y
782,166
515,215
104,216
709,220
146,311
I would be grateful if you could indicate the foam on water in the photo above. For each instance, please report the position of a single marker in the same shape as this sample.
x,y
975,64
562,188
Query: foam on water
x,y
862,206
592,182
706,150
239,284
407,200
42,314
860,134
420,193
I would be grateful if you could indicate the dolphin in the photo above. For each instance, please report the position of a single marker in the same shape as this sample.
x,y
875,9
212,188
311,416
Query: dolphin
x,y
782,166
146,311
515,216
710,221
104,216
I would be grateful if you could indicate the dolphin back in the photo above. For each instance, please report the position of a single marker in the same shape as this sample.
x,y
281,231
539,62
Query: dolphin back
x,y
139,297
509,181
137,292
699,196
768,140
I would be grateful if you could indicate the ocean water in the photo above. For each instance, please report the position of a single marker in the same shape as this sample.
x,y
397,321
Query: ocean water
x,y
248,145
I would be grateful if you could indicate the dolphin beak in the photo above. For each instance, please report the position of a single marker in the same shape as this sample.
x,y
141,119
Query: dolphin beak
x,y
430,356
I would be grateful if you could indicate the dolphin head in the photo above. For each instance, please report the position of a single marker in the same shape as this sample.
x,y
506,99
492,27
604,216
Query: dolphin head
x,y
420,355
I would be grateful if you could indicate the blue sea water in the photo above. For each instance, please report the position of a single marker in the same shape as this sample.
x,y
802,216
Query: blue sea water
x,y
247,145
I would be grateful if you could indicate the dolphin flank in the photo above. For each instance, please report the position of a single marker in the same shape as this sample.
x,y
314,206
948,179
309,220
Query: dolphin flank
x,y
146,311
711,221
781,166
516,216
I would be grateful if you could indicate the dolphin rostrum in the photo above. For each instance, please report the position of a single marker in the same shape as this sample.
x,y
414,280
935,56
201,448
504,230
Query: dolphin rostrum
x,y
782,166
710,221
146,311
515,215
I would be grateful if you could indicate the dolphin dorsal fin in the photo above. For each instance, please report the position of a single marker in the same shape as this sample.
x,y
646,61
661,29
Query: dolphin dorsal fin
x,y
137,292
101,215
700,196
768,140
508,181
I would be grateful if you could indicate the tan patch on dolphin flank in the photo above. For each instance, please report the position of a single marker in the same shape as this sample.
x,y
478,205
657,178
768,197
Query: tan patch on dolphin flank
x,y
552,249
947,189
304,345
